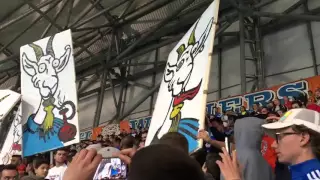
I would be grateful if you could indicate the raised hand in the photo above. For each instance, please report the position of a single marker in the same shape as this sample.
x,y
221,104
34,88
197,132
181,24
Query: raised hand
x,y
126,155
83,165
204,135
229,166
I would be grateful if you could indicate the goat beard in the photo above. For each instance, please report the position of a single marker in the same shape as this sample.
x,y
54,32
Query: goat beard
x,y
48,108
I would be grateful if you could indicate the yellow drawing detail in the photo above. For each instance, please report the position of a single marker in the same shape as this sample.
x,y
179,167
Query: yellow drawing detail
x,y
176,110
175,117
48,120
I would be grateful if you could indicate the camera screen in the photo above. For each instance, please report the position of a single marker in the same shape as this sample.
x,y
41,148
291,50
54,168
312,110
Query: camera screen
x,y
111,168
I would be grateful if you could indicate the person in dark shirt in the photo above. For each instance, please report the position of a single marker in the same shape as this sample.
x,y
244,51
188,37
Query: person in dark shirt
x,y
278,106
215,134
270,106
282,172
255,109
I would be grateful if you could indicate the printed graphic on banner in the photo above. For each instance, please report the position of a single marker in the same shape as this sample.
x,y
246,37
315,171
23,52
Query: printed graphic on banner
x,y
49,96
8,99
85,135
140,123
181,89
12,144
306,90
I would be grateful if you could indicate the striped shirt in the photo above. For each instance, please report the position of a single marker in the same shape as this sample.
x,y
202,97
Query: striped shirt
x,y
308,170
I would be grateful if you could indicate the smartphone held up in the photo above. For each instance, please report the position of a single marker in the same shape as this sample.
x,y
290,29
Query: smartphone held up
x,y
111,168
227,145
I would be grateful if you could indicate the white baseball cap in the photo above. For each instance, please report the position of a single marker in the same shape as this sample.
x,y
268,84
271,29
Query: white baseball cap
x,y
305,117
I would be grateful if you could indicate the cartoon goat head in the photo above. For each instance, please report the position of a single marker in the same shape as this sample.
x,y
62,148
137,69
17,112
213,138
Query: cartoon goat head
x,y
178,72
45,68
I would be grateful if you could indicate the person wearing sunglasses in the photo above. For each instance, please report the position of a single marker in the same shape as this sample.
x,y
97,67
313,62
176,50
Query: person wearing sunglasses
x,y
297,142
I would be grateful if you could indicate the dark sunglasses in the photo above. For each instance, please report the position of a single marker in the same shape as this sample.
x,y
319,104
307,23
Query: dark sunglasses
x,y
279,136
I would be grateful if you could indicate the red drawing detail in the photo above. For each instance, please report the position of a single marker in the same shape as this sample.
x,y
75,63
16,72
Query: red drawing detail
x,y
16,147
189,95
68,131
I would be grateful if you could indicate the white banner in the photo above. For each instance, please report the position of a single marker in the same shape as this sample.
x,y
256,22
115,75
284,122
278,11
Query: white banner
x,y
181,101
12,144
49,96
8,99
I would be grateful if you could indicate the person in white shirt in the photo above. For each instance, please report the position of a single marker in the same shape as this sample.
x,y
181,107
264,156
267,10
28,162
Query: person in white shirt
x,y
60,157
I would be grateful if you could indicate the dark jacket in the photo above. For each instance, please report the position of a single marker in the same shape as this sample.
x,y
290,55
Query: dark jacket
x,y
282,172
281,107
32,177
208,176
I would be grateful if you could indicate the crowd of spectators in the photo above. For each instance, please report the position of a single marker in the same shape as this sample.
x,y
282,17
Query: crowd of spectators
x,y
38,167
114,140
221,125
243,129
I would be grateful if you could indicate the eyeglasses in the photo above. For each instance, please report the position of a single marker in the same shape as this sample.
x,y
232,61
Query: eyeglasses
x,y
279,136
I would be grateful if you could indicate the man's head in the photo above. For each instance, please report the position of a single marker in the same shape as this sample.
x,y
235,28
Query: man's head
x,y
127,142
9,172
144,135
41,167
16,160
270,105
116,142
60,156
175,140
276,102
216,122
297,136
163,162
218,110
273,114
255,106
296,104
264,110
211,166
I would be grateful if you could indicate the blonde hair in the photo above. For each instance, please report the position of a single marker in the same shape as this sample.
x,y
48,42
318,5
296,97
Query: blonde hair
x,y
314,141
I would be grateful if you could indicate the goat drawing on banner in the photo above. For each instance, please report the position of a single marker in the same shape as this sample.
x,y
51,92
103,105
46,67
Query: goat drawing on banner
x,y
46,127
177,75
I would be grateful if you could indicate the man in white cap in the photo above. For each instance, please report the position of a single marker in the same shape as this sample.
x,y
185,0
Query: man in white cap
x,y
297,144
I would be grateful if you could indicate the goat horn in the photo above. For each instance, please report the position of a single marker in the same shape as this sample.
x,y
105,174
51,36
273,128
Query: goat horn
x,y
49,49
37,50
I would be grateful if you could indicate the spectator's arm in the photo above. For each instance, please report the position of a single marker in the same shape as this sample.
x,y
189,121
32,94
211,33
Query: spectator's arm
x,y
217,144
205,136
220,144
